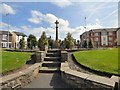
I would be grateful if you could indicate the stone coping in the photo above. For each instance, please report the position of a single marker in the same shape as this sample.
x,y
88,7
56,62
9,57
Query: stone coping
x,y
7,78
93,78
39,51
63,51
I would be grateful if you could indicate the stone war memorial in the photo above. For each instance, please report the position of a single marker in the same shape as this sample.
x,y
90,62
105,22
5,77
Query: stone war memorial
x,y
61,62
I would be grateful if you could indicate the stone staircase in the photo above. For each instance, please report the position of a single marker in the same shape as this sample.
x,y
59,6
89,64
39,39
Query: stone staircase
x,y
51,62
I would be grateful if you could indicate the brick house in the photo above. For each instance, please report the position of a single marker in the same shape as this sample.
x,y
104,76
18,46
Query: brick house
x,y
100,37
4,39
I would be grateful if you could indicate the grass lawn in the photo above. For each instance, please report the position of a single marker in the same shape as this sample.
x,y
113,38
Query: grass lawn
x,y
13,60
100,60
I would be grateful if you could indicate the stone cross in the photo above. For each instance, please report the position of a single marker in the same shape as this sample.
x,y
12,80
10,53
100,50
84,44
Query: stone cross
x,y
56,29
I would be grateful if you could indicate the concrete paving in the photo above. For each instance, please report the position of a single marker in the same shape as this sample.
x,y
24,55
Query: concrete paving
x,y
48,80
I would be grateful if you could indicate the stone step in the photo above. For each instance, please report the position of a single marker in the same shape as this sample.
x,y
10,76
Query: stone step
x,y
53,55
52,59
51,64
54,51
49,69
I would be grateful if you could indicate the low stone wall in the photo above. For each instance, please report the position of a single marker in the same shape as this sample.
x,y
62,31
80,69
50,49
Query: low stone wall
x,y
64,56
21,78
40,56
18,50
83,80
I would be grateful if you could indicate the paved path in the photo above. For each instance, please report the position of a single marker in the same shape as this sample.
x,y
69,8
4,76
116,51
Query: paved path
x,y
48,80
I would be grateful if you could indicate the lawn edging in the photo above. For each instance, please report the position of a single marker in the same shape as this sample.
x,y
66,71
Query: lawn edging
x,y
82,80
21,78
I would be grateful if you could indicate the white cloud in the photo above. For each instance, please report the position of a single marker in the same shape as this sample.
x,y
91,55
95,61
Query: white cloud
x,y
64,26
5,9
50,18
62,3
63,23
4,26
37,31
36,17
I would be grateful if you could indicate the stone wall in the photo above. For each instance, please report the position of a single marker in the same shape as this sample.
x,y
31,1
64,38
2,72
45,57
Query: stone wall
x,y
40,56
83,80
64,56
21,78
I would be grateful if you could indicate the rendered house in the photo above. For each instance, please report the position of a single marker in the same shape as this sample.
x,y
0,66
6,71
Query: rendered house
x,y
100,37
118,37
16,36
4,40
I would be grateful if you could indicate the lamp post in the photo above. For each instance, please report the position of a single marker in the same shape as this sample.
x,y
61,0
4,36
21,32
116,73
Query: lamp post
x,y
8,30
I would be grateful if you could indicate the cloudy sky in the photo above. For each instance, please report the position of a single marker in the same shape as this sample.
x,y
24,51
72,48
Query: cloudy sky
x,y
36,17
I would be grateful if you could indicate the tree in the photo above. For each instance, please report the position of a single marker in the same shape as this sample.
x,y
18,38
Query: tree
x,y
68,42
63,44
50,42
90,45
42,41
84,45
22,43
32,41
56,44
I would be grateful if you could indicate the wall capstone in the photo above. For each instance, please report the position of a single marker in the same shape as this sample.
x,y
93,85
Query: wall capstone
x,y
83,80
21,78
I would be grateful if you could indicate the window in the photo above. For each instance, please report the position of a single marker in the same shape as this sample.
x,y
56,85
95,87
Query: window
x,y
4,37
18,38
104,43
91,34
4,44
110,38
96,39
104,33
110,33
104,39
96,34
110,43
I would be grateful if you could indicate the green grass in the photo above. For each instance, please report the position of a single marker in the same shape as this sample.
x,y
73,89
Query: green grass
x,y
13,60
100,60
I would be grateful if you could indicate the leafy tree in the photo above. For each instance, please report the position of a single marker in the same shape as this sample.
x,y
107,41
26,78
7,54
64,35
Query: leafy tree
x,y
56,44
50,42
68,42
22,43
63,44
78,43
42,41
90,45
84,44
32,41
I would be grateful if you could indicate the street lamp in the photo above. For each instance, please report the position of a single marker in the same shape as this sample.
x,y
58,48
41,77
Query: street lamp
x,y
8,30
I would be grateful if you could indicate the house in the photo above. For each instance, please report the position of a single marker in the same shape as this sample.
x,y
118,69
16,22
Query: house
x,y
16,36
5,39
118,37
100,37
